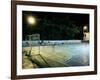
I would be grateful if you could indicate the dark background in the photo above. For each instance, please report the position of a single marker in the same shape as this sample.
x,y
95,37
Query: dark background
x,y
55,26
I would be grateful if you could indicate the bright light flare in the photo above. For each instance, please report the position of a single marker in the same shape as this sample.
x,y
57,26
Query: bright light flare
x,y
31,20
85,27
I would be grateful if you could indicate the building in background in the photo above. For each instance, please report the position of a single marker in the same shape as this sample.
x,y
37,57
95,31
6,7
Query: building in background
x,y
86,34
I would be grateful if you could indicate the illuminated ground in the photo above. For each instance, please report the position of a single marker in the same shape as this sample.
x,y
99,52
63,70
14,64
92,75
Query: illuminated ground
x,y
75,54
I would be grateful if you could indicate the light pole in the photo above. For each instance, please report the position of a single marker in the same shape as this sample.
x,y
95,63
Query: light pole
x,y
32,21
85,30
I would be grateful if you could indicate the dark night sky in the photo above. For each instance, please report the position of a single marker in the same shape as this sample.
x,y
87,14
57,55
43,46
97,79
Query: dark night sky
x,y
55,26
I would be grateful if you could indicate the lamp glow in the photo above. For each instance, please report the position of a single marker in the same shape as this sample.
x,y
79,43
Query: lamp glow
x,y
31,20
85,27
